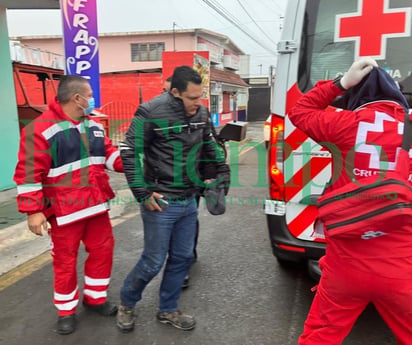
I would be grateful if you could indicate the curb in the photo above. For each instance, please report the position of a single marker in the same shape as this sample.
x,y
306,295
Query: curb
x,y
18,245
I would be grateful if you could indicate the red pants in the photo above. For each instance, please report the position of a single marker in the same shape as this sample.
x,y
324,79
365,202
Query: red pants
x,y
97,237
342,295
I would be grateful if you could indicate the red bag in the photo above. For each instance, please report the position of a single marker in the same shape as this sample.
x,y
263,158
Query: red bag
x,y
371,207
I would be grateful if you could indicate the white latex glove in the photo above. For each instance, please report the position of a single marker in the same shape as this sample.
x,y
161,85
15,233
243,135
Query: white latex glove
x,y
359,70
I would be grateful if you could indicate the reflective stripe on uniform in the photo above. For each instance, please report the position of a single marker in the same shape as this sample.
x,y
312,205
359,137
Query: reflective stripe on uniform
x,y
67,306
96,282
111,160
65,297
86,212
28,188
73,166
94,294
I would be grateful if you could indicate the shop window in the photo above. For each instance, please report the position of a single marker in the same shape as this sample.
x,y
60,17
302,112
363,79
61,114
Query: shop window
x,y
147,51
214,104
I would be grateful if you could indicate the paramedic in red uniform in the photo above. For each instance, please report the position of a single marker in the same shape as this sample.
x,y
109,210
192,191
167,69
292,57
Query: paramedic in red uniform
x,y
373,269
61,179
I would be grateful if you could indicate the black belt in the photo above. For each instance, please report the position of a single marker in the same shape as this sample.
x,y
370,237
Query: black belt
x,y
180,198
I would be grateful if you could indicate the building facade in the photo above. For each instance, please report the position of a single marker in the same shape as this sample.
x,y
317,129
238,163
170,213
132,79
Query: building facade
x,y
134,53
133,67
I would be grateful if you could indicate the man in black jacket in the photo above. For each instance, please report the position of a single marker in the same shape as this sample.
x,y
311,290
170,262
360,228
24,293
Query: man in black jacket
x,y
168,137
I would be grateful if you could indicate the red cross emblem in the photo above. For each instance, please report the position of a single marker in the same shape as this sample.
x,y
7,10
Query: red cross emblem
x,y
371,26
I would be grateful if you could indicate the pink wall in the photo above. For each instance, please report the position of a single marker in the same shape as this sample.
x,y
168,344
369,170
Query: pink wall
x,y
121,83
115,51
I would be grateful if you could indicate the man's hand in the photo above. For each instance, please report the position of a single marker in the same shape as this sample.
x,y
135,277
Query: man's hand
x,y
37,223
359,70
151,204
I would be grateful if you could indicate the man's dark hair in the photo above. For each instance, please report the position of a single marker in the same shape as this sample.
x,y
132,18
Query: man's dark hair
x,y
168,80
69,85
182,75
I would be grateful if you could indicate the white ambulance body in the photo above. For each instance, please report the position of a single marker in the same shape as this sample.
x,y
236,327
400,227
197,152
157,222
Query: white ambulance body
x,y
320,40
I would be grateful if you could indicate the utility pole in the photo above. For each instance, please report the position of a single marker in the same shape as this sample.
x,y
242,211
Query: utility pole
x,y
271,68
271,83
174,37
260,65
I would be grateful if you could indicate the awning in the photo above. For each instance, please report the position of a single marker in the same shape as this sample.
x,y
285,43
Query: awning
x,y
218,75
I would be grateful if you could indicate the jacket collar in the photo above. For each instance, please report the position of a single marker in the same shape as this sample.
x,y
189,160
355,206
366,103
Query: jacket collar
x,y
56,108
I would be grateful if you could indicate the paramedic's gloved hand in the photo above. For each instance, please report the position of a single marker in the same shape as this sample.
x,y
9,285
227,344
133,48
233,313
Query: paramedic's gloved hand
x,y
359,70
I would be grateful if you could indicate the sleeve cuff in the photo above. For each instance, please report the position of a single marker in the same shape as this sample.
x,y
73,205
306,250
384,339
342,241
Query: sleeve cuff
x,y
337,82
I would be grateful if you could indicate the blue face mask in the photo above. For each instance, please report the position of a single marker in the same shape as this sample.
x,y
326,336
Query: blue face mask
x,y
89,109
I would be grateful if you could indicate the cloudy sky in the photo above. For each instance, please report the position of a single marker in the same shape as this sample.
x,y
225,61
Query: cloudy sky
x,y
253,25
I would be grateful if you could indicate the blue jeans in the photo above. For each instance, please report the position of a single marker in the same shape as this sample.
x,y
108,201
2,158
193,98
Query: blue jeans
x,y
168,233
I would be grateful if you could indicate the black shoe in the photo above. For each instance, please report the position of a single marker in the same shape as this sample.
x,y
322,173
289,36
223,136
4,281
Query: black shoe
x,y
105,309
66,324
186,282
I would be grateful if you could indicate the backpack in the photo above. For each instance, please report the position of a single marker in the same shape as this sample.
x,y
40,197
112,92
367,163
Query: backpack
x,y
373,206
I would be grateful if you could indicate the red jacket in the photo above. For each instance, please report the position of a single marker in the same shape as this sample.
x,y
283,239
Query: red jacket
x,y
361,142
61,167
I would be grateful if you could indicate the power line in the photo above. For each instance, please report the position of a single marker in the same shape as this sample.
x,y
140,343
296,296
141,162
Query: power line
x,y
273,2
257,25
223,12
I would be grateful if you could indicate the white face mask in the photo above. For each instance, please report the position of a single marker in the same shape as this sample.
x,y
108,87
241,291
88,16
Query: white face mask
x,y
91,106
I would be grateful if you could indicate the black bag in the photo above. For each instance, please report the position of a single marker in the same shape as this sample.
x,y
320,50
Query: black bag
x,y
215,199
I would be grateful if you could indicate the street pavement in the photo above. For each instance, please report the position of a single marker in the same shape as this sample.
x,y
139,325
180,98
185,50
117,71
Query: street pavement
x,y
238,292
18,245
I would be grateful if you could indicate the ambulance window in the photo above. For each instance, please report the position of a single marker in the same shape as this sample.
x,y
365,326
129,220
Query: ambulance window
x,y
321,57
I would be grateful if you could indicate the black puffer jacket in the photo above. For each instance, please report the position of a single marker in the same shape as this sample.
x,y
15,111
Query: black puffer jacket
x,y
163,147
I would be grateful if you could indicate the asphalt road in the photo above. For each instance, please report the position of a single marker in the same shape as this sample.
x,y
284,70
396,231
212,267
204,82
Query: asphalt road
x,y
238,293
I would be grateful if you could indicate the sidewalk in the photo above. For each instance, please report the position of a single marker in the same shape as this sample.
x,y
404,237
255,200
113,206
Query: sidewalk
x,y
18,244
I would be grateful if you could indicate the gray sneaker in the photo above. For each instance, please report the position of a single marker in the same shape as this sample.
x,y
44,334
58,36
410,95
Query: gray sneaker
x,y
125,318
177,319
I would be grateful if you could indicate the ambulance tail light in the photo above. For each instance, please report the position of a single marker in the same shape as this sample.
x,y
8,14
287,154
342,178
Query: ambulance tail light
x,y
292,248
276,179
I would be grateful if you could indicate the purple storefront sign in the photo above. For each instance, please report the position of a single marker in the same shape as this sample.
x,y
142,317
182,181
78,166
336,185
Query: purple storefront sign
x,y
81,44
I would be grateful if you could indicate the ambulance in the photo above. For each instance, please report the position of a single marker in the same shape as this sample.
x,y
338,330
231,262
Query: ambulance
x,y
320,40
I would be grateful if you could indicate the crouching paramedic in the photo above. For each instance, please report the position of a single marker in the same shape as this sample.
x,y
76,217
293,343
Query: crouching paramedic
x,y
61,180
376,266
